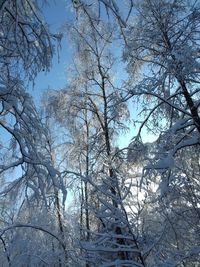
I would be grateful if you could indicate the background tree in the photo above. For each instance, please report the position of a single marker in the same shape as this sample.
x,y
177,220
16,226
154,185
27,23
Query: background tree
x,y
93,97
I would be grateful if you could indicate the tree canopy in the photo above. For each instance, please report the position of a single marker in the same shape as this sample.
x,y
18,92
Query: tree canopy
x,y
71,195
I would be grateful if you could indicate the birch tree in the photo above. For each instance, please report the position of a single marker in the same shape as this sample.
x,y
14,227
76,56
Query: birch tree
x,y
115,235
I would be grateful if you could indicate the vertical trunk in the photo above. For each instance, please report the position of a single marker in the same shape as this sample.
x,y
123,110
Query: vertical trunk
x,y
191,105
58,209
81,212
188,98
87,220
60,224
123,255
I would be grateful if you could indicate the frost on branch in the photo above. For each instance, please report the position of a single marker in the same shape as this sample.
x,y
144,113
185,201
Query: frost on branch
x,y
114,244
26,162
25,42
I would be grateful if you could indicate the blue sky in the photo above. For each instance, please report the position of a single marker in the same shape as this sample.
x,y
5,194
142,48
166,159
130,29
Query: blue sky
x,y
57,14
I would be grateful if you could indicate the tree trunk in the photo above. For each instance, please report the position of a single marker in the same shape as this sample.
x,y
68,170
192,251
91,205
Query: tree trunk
x,y
191,105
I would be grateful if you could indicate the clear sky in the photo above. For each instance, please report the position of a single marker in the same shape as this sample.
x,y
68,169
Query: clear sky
x,y
56,14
